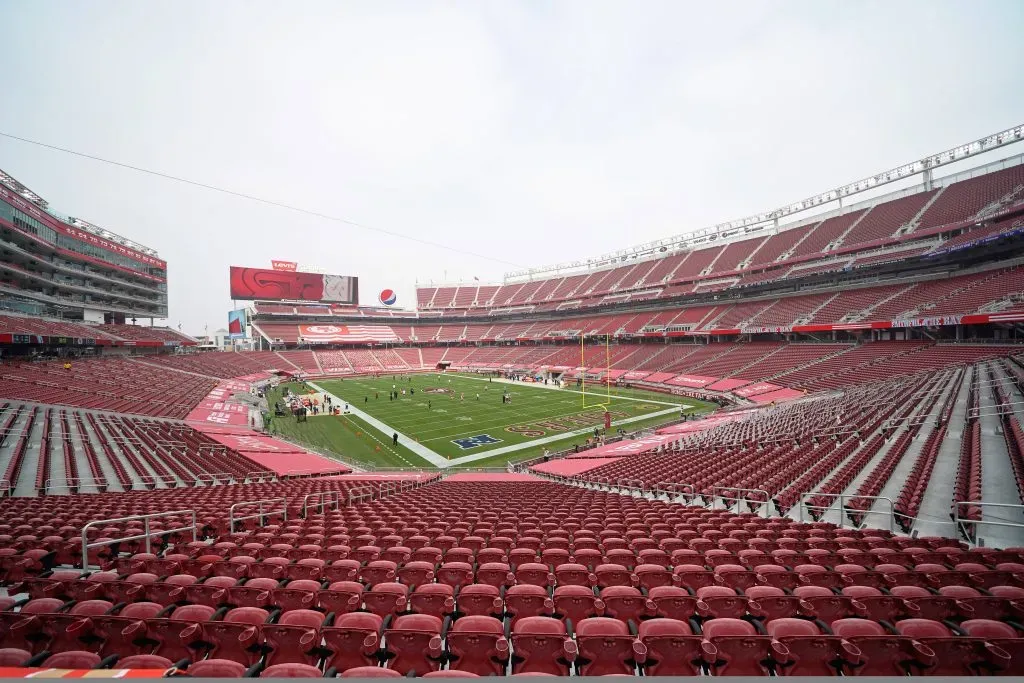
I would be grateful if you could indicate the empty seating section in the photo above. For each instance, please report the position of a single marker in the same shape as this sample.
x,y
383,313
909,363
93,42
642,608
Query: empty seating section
x,y
889,256
740,356
110,384
697,263
780,244
300,360
883,220
221,365
962,201
787,358
919,296
735,315
334,361
499,578
737,253
10,324
57,450
826,234
662,269
139,333
786,312
1006,286
279,332
852,304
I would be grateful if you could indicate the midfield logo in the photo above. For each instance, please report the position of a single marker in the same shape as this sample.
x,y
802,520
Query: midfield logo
x,y
475,441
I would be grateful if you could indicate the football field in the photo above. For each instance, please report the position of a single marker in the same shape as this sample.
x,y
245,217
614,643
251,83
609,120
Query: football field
x,y
452,420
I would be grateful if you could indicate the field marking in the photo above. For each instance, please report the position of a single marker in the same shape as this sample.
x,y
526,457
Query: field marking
x,y
540,385
387,447
524,415
442,462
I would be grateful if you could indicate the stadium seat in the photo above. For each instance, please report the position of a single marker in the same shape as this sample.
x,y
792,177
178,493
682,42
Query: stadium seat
x,y
414,644
294,638
884,654
672,649
353,640
478,645
541,645
811,652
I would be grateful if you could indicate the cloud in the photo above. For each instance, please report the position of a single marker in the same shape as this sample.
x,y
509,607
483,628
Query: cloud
x,y
531,132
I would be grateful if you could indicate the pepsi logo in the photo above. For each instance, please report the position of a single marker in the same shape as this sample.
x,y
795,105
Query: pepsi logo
x,y
388,297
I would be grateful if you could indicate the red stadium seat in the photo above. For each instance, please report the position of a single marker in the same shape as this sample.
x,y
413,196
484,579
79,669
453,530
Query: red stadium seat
x,y
478,645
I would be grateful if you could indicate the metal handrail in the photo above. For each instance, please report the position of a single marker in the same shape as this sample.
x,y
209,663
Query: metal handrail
x,y
670,488
623,484
168,480
75,483
359,494
325,498
5,487
387,488
263,513
959,521
214,478
842,498
147,532
720,493
261,475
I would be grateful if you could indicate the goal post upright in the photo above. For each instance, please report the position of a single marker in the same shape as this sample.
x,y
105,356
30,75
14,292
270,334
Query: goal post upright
x,y
583,374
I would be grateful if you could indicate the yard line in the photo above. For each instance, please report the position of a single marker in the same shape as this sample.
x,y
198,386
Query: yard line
x,y
441,462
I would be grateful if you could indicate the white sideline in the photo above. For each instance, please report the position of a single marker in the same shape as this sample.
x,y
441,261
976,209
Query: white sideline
x,y
442,462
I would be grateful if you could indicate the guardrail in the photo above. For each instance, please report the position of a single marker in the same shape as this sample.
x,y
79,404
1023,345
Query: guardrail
x,y
675,488
324,499
961,522
260,476
214,478
628,484
721,493
262,511
359,494
842,498
5,487
387,488
168,480
75,483
148,534
307,474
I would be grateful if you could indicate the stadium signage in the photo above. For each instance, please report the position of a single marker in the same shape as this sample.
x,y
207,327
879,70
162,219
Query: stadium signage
x,y
475,441
289,266
928,322
759,330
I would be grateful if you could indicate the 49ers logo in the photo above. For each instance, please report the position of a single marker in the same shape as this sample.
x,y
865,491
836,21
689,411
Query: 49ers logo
x,y
437,390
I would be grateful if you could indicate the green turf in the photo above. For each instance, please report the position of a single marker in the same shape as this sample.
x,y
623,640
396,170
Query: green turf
x,y
465,407
346,437
454,412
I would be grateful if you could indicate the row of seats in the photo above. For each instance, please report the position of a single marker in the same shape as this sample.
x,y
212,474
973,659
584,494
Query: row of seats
x,y
417,643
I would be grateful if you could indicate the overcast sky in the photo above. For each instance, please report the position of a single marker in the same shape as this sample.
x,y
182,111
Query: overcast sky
x,y
527,132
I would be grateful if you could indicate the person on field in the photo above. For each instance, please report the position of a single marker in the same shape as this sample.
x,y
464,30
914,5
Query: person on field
x,y
394,438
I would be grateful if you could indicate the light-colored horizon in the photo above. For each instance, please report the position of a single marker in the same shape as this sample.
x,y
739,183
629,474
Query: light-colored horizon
x,y
532,133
